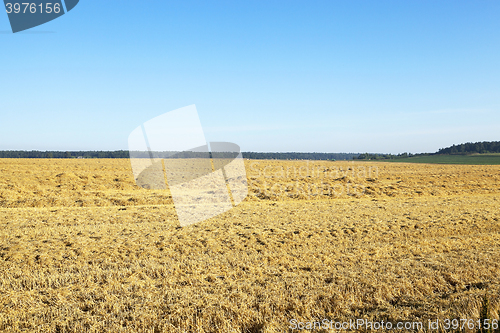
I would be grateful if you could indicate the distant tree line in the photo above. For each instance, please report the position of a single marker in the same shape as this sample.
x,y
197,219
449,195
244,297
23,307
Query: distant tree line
x,y
186,154
63,154
462,149
484,147
367,156
299,156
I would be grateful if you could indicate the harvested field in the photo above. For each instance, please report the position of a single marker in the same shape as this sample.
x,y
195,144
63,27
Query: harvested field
x,y
83,249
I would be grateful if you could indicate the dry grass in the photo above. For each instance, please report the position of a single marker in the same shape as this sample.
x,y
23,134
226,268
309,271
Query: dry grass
x,y
83,249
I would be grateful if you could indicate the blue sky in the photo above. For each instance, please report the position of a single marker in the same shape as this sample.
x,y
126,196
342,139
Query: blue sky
x,y
310,76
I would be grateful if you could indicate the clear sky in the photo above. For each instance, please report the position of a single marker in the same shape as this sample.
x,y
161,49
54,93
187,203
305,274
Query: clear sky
x,y
309,76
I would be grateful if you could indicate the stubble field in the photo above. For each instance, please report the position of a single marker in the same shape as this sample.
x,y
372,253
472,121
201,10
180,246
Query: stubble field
x,y
83,249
